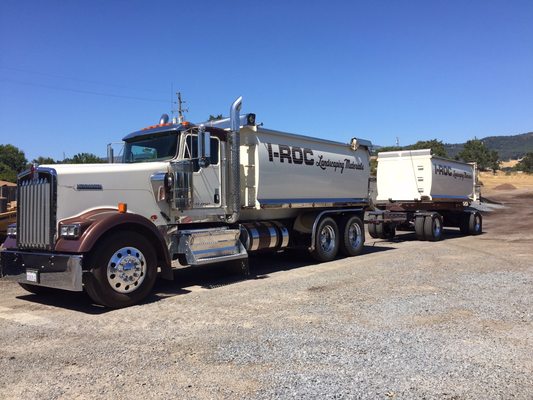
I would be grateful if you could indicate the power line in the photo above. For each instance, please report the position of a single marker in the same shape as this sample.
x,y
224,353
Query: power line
x,y
81,91
58,76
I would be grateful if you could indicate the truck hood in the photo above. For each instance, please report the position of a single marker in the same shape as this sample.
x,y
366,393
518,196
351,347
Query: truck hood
x,y
84,187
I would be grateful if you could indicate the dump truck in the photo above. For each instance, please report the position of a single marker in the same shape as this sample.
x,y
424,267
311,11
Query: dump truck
x,y
417,190
185,195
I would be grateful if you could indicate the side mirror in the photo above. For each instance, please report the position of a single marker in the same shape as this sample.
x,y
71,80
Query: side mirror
x,y
204,147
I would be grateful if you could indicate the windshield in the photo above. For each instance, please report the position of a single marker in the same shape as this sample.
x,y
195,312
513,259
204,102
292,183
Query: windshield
x,y
162,147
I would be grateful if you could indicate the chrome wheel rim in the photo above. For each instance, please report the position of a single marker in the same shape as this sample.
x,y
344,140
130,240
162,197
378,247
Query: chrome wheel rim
x,y
437,227
126,270
327,239
355,235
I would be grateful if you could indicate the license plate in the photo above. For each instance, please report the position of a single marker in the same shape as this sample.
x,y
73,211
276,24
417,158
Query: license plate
x,y
32,276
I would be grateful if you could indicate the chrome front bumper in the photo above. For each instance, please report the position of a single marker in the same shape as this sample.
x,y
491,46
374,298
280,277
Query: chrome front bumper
x,y
60,271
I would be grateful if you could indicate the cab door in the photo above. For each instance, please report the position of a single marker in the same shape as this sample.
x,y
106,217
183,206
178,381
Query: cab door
x,y
206,180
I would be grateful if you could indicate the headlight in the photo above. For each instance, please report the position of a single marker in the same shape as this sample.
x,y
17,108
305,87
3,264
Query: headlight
x,y
70,231
12,231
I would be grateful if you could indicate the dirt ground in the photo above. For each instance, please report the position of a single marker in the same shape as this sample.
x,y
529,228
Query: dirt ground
x,y
407,319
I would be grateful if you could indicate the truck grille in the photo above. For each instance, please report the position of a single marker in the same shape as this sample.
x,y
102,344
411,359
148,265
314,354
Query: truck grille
x,y
36,210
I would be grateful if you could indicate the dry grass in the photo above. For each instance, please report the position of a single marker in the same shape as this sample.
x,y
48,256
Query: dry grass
x,y
492,181
509,164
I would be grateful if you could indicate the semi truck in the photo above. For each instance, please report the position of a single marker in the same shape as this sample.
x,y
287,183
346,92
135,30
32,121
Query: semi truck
x,y
417,190
185,195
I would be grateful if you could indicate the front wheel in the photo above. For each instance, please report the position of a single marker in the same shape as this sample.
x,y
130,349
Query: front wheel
x,y
123,270
353,238
327,241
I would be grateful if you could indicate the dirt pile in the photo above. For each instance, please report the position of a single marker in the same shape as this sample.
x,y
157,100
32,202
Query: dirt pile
x,y
505,186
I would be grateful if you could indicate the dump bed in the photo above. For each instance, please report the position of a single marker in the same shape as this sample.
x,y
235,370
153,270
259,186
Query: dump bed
x,y
417,175
283,170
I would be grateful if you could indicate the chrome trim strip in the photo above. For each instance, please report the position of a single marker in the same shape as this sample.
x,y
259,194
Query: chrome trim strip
x,y
311,203
89,186
445,196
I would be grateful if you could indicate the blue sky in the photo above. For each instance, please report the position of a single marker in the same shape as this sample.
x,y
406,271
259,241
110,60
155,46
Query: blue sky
x,y
75,75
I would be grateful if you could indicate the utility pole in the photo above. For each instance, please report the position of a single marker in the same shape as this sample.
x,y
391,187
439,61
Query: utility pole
x,y
397,141
181,110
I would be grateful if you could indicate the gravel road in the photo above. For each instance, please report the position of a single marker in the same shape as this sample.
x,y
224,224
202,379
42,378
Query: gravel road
x,y
406,320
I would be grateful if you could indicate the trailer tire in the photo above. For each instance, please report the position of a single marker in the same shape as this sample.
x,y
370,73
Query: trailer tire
x,y
389,231
372,227
464,223
353,238
123,270
419,227
327,241
475,223
36,289
372,230
433,227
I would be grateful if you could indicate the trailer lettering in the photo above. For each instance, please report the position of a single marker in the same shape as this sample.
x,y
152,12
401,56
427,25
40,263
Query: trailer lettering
x,y
292,154
308,161
285,153
298,156
447,170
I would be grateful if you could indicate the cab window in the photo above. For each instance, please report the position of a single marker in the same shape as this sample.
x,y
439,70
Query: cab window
x,y
191,150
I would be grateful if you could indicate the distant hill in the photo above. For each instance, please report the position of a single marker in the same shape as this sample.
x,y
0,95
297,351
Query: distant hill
x,y
508,147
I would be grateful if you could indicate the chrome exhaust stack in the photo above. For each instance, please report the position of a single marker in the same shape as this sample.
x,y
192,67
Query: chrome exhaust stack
x,y
235,162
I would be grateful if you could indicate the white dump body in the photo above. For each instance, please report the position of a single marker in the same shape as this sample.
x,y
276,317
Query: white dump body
x,y
417,175
286,171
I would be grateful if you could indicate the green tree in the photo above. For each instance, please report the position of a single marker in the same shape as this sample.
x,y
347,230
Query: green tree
x,y
12,161
84,158
475,151
44,160
215,117
436,146
526,163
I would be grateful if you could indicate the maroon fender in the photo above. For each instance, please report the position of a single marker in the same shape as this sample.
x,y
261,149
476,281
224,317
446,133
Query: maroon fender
x,y
96,223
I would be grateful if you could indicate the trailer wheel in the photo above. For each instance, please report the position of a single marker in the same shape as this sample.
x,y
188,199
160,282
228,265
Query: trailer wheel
x,y
433,227
419,227
372,227
327,240
353,238
464,223
475,223
123,270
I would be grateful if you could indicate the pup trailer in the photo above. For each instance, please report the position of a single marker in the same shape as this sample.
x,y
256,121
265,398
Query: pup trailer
x,y
185,195
422,192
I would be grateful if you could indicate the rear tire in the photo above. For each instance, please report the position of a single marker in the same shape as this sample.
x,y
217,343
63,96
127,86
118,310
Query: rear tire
x,y
123,270
372,226
353,238
389,231
464,222
419,227
327,240
433,227
475,224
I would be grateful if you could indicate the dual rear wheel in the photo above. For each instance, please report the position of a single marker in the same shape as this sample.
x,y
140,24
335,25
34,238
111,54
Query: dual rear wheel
x,y
330,238
429,227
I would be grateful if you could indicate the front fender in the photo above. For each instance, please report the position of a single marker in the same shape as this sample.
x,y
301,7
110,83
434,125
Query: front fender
x,y
96,223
